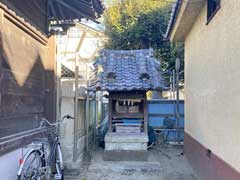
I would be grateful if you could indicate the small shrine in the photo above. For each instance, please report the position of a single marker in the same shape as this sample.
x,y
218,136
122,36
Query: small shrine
x,y
127,75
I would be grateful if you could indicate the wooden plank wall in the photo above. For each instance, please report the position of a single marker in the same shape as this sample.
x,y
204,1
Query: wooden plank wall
x,y
27,76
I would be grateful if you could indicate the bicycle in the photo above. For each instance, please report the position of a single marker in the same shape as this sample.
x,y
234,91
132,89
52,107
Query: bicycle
x,y
44,158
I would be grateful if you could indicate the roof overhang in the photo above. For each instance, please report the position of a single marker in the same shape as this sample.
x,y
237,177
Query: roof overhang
x,y
182,19
75,9
63,13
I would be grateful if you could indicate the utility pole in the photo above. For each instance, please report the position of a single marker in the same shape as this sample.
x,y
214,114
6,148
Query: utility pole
x,y
177,68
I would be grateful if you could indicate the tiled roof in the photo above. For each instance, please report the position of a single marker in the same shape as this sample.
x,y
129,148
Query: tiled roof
x,y
127,70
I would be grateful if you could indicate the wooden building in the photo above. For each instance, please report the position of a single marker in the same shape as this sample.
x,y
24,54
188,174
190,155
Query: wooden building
x,y
27,63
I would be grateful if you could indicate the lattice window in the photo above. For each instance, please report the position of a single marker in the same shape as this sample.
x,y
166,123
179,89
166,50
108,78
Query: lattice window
x,y
66,72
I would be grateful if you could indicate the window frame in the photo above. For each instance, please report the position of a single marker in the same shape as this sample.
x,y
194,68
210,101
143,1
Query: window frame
x,y
210,17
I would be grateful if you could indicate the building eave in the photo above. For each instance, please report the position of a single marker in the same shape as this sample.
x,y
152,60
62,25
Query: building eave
x,y
175,9
75,9
58,12
182,19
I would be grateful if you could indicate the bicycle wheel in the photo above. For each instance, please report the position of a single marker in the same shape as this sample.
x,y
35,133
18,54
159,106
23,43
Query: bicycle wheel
x,y
32,167
59,164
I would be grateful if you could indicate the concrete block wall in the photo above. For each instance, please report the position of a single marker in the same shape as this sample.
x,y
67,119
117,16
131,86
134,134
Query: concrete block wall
x,y
67,141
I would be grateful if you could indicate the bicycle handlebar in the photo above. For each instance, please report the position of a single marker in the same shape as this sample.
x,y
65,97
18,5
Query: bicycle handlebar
x,y
68,117
44,120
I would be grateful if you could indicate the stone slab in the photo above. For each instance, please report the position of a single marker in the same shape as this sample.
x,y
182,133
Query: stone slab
x,y
125,155
126,146
125,141
126,137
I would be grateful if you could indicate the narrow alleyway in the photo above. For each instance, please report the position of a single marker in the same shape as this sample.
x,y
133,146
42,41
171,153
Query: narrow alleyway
x,y
164,163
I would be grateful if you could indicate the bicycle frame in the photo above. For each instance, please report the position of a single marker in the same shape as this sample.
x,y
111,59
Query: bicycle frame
x,y
54,157
53,150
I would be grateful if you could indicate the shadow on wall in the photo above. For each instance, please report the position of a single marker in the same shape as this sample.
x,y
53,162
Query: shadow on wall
x,y
26,90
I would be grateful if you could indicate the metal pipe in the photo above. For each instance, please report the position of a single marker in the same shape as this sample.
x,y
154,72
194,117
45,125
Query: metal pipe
x,y
174,87
95,121
171,87
177,67
174,84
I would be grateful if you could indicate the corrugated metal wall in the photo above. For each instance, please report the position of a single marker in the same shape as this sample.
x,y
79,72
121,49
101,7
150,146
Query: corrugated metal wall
x,y
160,110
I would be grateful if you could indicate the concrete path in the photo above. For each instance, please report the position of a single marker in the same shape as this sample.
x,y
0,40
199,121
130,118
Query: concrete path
x,y
164,163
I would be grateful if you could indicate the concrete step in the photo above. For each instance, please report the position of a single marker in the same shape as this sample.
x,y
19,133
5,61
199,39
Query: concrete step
x,y
125,155
128,166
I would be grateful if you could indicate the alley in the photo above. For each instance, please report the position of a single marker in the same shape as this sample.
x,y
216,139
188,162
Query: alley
x,y
165,162
119,90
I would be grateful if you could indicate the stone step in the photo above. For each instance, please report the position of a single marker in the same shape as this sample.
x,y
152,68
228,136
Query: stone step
x,y
125,155
128,166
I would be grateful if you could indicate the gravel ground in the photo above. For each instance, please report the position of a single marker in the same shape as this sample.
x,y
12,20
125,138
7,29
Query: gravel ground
x,y
164,163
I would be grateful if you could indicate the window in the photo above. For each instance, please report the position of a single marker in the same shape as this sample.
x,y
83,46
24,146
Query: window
x,y
212,7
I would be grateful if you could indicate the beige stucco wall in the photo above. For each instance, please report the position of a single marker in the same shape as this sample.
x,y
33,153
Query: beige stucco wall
x,y
212,82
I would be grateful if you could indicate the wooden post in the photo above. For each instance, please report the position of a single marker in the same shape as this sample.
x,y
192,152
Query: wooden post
x,y
145,115
76,109
87,122
1,51
110,114
58,86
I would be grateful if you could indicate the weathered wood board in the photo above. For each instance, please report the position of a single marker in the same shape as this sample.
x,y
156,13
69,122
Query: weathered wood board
x,y
27,76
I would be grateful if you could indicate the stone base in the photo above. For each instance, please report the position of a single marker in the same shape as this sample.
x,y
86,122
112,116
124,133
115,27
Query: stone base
x,y
126,147
125,155
126,141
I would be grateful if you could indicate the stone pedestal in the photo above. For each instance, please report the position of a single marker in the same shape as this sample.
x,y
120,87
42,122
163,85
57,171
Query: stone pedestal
x,y
125,147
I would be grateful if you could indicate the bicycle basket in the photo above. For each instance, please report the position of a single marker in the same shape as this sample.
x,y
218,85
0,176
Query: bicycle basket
x,y
61,130
57,129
